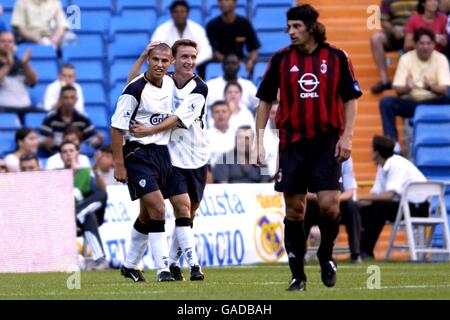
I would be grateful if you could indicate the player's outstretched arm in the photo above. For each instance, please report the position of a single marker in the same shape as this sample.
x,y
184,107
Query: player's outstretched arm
x,y
140,130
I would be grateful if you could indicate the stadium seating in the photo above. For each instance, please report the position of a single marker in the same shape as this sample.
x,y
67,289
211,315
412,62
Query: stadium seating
x,y
432,113
127,46
92,5
94,93
98,116
126,23
433,161
119,70
34,119
258,72
47,70
38,52
95,21
135,4
8,4
37,94
89,70
89,46
214,69
9,121
271,42
431,133
270,18
7,141
114,94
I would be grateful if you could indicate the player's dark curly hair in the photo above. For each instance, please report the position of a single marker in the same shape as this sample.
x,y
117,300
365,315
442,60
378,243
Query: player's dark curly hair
x,y
383,145
308,14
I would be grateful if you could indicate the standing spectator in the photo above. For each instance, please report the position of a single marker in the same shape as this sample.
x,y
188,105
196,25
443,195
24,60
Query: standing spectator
x,y
39,21
315,122
180,27
15,74
228,33
67,76
3,166
230,67
220,134
66,116
26,143
29,162
74,135
422,76
427,17
393,175
394,14
237,165
240,116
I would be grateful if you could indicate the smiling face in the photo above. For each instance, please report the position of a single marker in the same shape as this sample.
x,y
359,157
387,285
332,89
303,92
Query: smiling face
x,y
30,143
185,60
159,61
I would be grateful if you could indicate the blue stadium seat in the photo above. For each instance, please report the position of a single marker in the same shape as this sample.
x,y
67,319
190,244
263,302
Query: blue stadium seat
x,y
98,116
6,18
94,93
127,22
431,133
9,121
214,70
7,142
97,4
37,95
432,113
119,70
95,21
106,134
89,70
8,4
270,18
258,72
114,94
257,3
89,46
38,52
271,42
433,161
127,46
47,70
135,4
34,119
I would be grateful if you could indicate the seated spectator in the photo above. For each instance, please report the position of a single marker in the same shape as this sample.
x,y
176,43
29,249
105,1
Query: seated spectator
x,y
271,141
15,75
104,165
3,166
221,137
216,86
237,165
2,23
29,162
240,116
422,76
66,116
228,33
349,211
26,143
67,76
427,17
39,21
90,202
180,27
74,135
394,14
393,175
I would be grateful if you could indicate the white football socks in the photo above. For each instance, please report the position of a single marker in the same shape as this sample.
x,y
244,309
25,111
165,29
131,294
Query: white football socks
x,y
185,239
137,248
160,250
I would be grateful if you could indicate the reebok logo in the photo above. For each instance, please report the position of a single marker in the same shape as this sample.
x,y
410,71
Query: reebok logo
x,y
295,69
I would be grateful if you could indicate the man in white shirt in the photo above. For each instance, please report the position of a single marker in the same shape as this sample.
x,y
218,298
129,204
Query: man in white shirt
x,y
230,66
393,175
67,76
180,27
144,162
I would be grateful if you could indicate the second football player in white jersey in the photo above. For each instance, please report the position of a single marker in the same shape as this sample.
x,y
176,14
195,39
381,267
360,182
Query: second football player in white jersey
x,y
188,148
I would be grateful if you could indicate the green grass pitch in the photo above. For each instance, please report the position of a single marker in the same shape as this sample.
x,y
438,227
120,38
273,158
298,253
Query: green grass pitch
x,y
398,280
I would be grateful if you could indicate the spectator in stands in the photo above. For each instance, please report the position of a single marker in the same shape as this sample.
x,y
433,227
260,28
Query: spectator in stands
x,y
216,86
2,23
229,32
427,17
26,143
393,175
66,116
39,21
350,215
29,162
180,27
3,166
240,116
74,135
237,165
221,137
394,14
90,202
67,76
104,165
271,141
15,75
422,76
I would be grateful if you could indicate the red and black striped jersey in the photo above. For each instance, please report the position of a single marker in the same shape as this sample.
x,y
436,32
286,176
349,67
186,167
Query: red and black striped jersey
x,y
313,90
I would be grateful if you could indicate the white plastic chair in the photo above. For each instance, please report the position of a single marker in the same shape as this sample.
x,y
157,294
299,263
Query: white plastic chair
x,y
428,190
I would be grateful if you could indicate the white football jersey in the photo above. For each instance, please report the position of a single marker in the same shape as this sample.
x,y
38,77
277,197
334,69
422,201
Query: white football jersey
x,y
189,144
145,103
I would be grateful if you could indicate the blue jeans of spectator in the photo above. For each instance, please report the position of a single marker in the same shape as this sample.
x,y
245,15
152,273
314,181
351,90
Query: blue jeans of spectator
x,y
390,107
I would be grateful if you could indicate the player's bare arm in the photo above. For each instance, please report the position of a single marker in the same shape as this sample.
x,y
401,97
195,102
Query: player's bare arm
x,y
140,130
262,116
344,144
120,172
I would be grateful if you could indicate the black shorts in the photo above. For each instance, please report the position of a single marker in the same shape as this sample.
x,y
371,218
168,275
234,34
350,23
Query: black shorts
x,y
148,168
191,181
309,166
392,43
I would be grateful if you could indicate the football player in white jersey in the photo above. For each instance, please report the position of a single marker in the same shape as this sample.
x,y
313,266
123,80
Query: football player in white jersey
x,y
144,162
189,152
